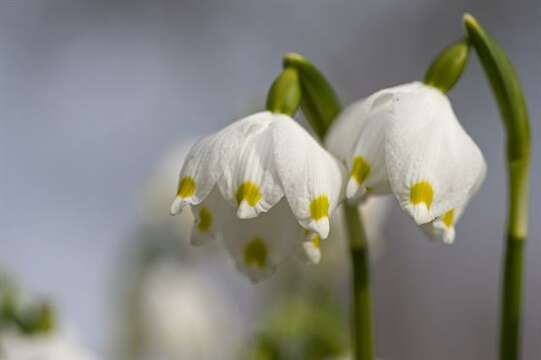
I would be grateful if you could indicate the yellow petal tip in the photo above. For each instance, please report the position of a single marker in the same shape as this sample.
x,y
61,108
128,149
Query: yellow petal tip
x,y
248,192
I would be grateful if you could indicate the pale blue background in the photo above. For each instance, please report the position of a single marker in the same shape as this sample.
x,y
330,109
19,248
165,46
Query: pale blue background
x,y
92,93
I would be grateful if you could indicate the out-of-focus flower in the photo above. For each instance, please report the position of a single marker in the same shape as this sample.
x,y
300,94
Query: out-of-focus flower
x,y
300,328
41,346
408,141
184,316
29,329
253,183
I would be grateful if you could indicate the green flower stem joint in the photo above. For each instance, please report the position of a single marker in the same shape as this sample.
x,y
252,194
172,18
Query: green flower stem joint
x,y
320,105
512,105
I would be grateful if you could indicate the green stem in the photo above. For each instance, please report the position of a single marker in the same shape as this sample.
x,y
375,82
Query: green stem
x,y
320,106
362,336
511,102
512,299
514,261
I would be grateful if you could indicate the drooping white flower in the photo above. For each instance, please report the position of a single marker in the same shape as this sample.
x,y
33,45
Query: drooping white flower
x,y
408,141
258,183
47,346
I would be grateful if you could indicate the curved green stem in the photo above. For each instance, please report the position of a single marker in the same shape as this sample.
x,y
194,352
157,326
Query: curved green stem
x,y
508,93
320,105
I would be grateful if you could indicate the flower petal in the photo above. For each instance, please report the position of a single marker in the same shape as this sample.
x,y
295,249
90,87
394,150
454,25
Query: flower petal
x,y
312,248
357,138
311,178
367,164
258,245
208,159
208,217
344,133
253,185
443,227
432,163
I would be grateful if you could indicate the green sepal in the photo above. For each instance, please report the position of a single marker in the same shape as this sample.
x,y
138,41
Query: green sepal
x,y
505,86
285,93
319,103
448,66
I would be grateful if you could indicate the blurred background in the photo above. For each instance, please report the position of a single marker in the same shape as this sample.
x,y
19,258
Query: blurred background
x,y
100,99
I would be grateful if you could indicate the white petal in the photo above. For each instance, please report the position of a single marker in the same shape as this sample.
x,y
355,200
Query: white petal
x,y
446,233
209,158
252,185
443,227
258,245
208,216
432,163
367,164
312,248
177,205
312,178
345,130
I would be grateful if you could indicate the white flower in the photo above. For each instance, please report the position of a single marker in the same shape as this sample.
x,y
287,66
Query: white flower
x,y
408,141
49,346
185,316
268,169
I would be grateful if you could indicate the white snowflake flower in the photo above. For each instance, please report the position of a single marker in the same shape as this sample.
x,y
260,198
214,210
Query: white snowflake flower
x,y
253,183
408,141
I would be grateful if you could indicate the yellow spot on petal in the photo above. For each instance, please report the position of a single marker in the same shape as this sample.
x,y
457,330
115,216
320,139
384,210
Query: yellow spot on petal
x,y
248,192
205,220
360,169
319,207
316,241
186,187
255,253
449,218
422,193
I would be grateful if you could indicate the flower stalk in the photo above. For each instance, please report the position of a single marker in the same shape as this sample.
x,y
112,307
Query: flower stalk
x,y
512,105
362,298
321,105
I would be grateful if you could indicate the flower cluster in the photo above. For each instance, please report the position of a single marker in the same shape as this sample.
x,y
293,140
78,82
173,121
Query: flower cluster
x,y
263,182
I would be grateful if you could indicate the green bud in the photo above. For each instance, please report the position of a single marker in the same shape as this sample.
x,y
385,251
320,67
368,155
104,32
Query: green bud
x,y
448,66
285,93
319,104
